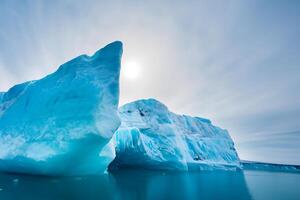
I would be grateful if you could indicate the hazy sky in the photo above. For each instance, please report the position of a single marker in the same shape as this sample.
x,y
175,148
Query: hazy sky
x,y
235,62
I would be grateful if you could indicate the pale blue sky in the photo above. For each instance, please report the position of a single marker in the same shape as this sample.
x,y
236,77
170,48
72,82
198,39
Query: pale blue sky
x,y
235,62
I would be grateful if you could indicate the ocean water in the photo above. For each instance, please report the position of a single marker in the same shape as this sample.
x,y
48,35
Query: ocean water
x,y
140,184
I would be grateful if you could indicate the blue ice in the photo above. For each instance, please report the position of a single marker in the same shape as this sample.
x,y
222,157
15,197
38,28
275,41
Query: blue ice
x,y
62,123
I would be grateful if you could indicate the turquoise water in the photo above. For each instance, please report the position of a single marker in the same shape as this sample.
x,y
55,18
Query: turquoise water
x,y
140,184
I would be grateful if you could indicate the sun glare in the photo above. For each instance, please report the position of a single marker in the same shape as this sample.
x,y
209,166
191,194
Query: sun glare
x,y
131,70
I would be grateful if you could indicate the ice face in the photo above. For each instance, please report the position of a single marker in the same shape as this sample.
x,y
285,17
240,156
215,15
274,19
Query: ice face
x,y
62,123
153,137
1,95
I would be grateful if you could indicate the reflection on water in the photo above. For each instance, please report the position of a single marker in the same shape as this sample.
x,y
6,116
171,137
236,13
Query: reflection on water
x,y
159,185
137,184
127,184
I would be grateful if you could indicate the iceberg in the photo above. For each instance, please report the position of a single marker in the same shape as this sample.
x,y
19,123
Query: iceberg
x,y
261,166
152,137
62,124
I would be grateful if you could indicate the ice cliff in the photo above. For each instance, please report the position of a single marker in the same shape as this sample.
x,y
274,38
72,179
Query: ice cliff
x,y
152,137
62,123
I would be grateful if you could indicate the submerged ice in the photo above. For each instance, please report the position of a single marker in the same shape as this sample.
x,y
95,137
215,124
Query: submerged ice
x,y
62,123
152,137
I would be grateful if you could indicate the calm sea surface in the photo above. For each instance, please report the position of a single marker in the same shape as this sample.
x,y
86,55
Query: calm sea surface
x,y
140,184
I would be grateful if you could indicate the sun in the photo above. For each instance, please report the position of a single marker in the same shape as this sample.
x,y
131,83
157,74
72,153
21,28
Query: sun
x,y
131,70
